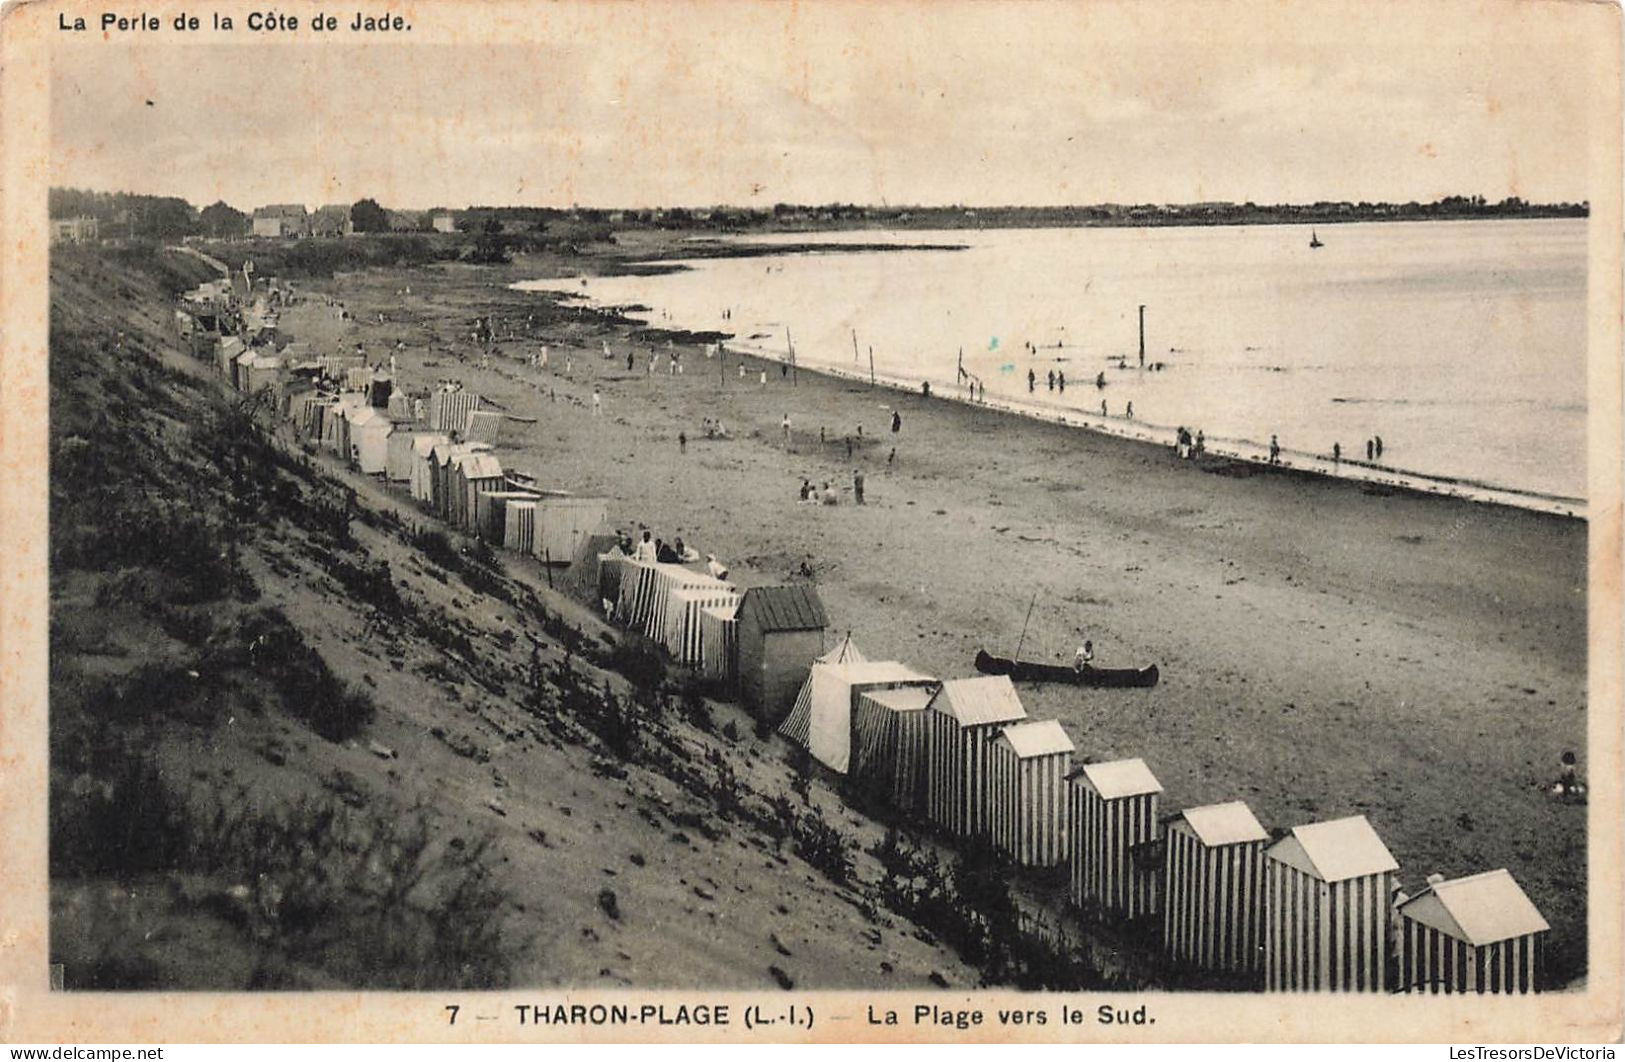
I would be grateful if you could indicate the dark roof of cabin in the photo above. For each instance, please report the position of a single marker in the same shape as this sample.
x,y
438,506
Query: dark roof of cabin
x,y
784,608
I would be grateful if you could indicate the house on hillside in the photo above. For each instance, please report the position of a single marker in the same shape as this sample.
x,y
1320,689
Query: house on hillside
x,y
331,220
780,632
82,229
444,223
282,220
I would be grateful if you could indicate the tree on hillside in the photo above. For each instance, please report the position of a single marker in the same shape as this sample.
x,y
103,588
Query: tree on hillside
x,y
368,216
489,247
222,219
165,217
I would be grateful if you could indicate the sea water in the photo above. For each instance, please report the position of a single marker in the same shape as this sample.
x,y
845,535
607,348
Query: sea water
x,y
1461,344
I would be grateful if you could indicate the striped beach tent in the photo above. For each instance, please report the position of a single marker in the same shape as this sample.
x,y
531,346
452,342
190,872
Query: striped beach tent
x,y
358,379
683,636
1113,819
821,718
1026,809
718,649
1326,908
1212,888
1475,934
964,714
891,743
645,593
519,526
449,410
484,425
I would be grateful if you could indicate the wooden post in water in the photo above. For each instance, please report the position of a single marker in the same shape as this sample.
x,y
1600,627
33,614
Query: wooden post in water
x,y
1142,336
871,368
792,345
854,346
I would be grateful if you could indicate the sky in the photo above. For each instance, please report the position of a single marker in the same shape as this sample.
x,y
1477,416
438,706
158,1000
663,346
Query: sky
x,y
752,103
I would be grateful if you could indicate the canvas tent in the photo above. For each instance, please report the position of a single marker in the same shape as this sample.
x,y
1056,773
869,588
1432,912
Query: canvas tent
x,y
421,480
891,743
1113,820
1212,871
369,439
1476,934
964,716
1027,792
821,718
717,647
683,634
1326,908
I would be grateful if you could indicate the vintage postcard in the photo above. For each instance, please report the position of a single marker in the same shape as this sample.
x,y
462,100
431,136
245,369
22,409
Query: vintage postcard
x,y
746,521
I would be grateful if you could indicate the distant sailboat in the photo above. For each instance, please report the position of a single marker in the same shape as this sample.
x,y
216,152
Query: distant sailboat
x,y
1314,241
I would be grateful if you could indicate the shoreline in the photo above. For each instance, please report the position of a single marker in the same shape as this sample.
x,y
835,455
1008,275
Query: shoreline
x,y
1373,476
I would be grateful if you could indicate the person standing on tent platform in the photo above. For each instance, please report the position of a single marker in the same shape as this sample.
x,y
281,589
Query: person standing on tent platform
x,y
857,486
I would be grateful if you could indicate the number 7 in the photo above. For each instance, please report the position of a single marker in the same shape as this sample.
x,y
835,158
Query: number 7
x,y
454,1008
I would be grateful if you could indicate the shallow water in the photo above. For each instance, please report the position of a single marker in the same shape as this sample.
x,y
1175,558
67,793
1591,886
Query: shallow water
x,y
1461,344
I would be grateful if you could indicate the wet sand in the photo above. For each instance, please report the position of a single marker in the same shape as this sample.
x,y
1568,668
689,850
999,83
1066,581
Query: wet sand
x,y
1325,650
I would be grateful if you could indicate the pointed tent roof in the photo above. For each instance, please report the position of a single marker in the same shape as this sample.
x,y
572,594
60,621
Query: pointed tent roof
x,y
1037,737
980,700
1119,778
1482,909
843,653
1222,824
1336,850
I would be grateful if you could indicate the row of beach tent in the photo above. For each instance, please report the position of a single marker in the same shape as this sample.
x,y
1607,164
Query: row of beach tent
x,y
1314,908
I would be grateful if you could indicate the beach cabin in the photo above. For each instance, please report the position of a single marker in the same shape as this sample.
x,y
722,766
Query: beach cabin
x,y
401,406
444,457
240,369
1026,806
821,718
261,373
646,602
369,439
226,351
421,481
1212,888
474,472
780,632
484,425
380,390
683,634
1476,934
718,648
891,742
1113,822
965,715
1326,908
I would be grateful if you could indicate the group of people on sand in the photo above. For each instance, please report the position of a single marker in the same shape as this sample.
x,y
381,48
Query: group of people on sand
x,y
1186,446
826,495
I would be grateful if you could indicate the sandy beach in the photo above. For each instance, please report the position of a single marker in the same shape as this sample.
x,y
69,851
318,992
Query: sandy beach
x,y
1327,648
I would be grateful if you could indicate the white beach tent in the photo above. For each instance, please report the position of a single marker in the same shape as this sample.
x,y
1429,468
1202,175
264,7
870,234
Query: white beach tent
x,y
369,439
821,719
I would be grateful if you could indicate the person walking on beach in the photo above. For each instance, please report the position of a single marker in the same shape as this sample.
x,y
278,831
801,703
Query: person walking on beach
x,y
646,548
597,403
784,426
1378,441
1032,381
1100,381
848,440
1370,449
806,489
1060,382
896,422
1337,452
1275,450
764,379
1129,411
1201,441
629,360
857,486
1103,408
682,442
1052,379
